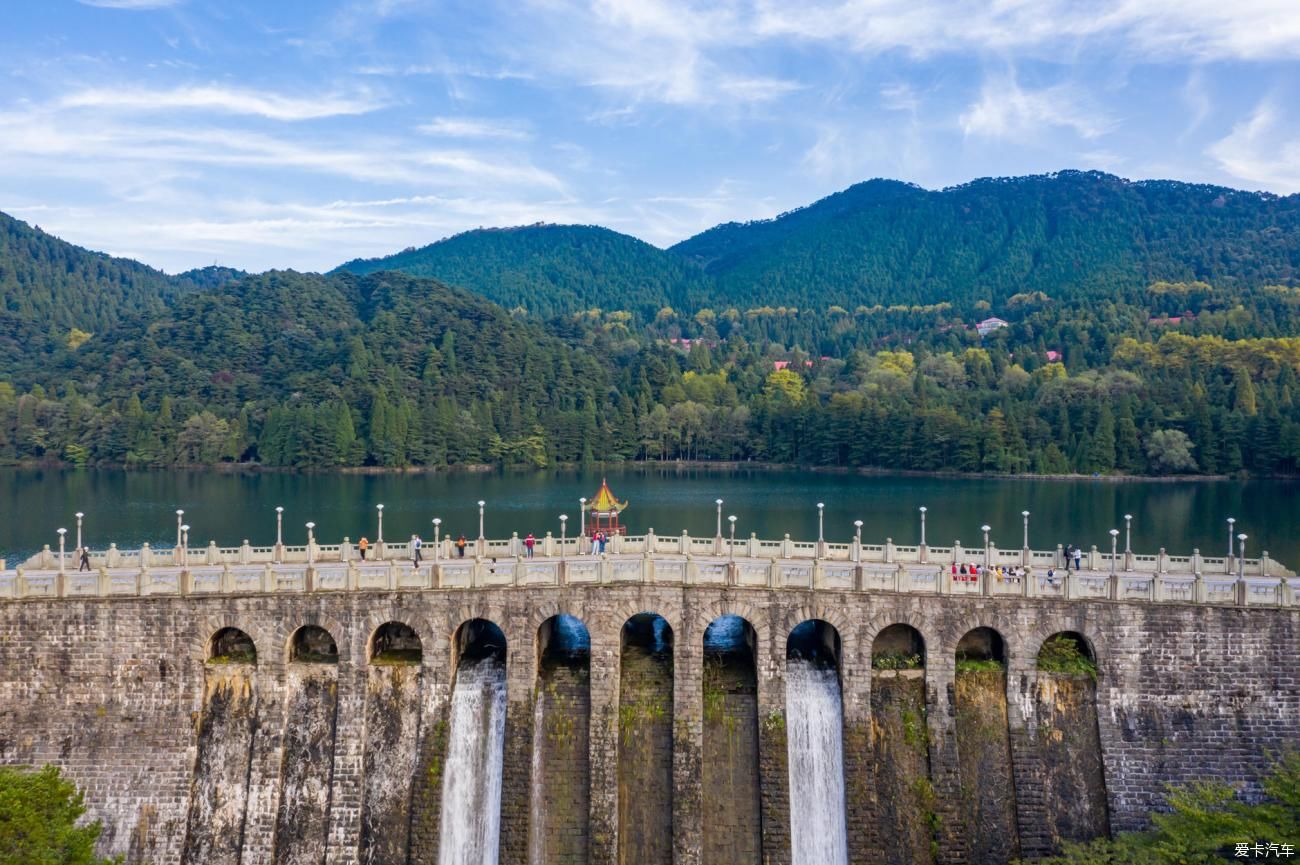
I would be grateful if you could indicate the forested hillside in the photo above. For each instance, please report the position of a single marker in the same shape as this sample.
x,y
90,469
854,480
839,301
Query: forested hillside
x,y
1095,367
554,269
305,370
52,292
1073,235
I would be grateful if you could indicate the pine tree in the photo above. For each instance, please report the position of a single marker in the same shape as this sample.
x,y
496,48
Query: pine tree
x,y
1101,450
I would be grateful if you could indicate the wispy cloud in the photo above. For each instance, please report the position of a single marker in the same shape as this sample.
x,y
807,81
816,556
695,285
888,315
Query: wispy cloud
x,y
1163,29
53,137
1004,109
475,127
1262,149
226,100
131,4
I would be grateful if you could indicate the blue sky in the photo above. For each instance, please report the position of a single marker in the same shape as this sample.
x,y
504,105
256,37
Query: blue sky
x,y
262,134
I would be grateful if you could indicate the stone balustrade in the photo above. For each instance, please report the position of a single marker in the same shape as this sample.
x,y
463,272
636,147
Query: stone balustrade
x,y
671,560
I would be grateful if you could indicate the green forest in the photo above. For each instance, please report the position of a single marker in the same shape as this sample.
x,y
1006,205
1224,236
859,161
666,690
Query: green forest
x,y
1150,328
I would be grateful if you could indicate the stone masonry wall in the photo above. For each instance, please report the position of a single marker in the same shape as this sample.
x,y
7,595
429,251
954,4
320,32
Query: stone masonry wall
x,y
732,822
115,690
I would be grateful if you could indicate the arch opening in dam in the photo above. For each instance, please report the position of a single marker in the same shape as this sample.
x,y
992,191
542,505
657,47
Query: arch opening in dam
x,y
307,759
218,795
733,826
1073,774
393,719
560,816
645,742
815,737
471,790
902,795
231,646
396,643
312,644
988,791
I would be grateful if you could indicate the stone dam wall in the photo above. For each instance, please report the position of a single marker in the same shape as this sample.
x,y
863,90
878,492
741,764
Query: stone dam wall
x,y
645,749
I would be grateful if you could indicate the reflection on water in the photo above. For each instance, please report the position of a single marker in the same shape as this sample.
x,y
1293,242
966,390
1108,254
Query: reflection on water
x,y
131,507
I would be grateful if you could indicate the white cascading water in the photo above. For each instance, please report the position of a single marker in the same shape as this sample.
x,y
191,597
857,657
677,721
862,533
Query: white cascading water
x,y
814,725
471,789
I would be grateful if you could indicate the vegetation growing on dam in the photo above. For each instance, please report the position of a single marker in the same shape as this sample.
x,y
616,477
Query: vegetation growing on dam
x,y
39,812
1205,825
1063,655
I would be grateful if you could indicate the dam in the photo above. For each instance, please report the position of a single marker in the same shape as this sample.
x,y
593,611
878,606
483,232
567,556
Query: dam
x,y
670,700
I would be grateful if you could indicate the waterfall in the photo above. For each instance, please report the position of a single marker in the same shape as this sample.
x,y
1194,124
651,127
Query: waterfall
x,y
471,793
814,721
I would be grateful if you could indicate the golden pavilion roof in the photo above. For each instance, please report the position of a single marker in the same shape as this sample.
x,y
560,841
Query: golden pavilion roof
x,y
604,501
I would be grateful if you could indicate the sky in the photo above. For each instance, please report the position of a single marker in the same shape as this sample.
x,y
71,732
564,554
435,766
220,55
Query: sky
x,y
258,134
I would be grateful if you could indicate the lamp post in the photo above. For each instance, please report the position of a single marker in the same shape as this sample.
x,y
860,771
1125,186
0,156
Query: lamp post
x,y
279,525
923,510
857,540
564,532
79,517
1128,542
1114,547
718,502
311,542
582,519
987,561
1025,515
62,533
379,536
1241,556
437,536
1228,561
185,545
482,543
179,515
732,551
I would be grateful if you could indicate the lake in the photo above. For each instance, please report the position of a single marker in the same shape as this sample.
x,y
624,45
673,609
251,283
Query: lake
x,y
131,507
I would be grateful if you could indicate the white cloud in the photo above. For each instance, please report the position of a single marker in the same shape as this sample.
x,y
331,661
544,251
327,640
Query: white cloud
x,y
900,96
1261,149
225,100
131,4
1159,29
55,138
475,127
1007,110
671,52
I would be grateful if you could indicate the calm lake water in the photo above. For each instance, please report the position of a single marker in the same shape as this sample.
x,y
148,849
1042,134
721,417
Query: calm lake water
x,y
131,507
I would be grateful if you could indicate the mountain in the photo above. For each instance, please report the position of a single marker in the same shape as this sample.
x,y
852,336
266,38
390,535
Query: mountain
x,y
553,269
1072,235
304,369
821,341
212,276
48,287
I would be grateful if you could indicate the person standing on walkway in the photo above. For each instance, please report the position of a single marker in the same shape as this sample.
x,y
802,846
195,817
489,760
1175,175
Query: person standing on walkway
x,y
363,545
85,559
1069,553
1078,559
416,543
460,546
529,543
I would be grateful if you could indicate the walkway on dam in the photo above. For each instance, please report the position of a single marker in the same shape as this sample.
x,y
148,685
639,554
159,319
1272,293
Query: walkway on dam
x,y
651,559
